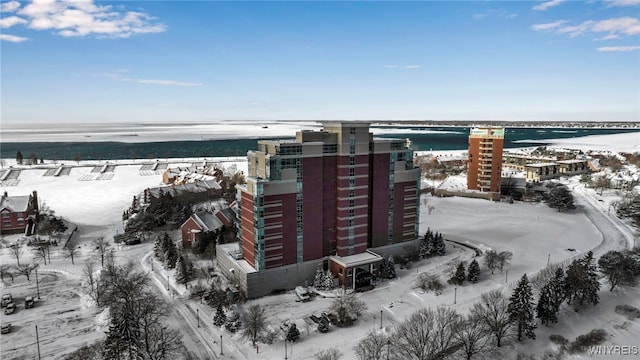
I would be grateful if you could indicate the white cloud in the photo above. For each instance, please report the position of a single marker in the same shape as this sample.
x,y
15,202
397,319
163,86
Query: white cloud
x,y
614,28
164,82
11,21
391,66
500,13
625,2
79,18
10,6
412,66
12,38
118,74
548,4
618,48
548,26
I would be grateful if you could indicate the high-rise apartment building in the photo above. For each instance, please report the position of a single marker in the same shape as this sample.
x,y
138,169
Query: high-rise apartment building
x,y
337,191
485,159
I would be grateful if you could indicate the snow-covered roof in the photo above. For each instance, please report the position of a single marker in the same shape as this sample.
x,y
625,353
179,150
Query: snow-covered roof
x,y
573,161
207,220
194,187
15,203
364,258
538,165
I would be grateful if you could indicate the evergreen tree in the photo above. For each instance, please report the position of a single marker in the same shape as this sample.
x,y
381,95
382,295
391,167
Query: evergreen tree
x,y
220,317
426,247
551,297
520,309
473,272
318,279
184,270
546,310
560,198
581,281
293,334
170,252
460,275
327,281
387,268
233,323
19,158
557,287
124,337
158,250
438,245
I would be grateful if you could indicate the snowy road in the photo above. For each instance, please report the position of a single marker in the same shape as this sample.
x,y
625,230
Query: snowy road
x,y
200,337
616,235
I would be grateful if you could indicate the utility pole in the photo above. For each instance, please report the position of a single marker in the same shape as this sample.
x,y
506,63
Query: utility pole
x,y
285,349
548,259
506,275
380,319
198,316
455,295
221,353
38,342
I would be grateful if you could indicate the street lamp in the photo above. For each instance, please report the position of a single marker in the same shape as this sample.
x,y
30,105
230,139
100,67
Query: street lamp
x,y
381,319
37,284
455,294
198,316
221,353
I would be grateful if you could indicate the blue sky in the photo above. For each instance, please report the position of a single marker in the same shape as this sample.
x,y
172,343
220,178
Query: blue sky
x,y
98,61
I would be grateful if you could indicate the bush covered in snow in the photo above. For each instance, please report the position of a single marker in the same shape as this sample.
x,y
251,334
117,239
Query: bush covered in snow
x,y
594,337
629,311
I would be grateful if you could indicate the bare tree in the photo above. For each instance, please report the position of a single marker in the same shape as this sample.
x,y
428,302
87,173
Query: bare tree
x,y
543,276
372,347
497,260
162,343
504,257
255,323
472,336
91,282
328,354
426,334
26,269
70,252
102,248
5,269
41,251
492,311
346,305
16,249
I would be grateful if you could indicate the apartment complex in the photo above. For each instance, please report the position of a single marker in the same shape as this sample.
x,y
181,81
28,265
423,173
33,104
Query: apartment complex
x,y
333,192
485,159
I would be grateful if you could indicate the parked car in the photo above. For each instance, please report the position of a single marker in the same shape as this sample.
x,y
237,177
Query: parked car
x,y
6,328
6,299
10,309
302,293
28,302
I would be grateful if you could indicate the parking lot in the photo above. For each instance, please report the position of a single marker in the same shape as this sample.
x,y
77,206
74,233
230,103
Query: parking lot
x,y
64,323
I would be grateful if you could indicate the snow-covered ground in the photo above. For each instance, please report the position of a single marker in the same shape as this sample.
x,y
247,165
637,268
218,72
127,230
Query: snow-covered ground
x,y
534,233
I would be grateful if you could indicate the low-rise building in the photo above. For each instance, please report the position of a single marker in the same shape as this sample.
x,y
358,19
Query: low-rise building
x,y
19,213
